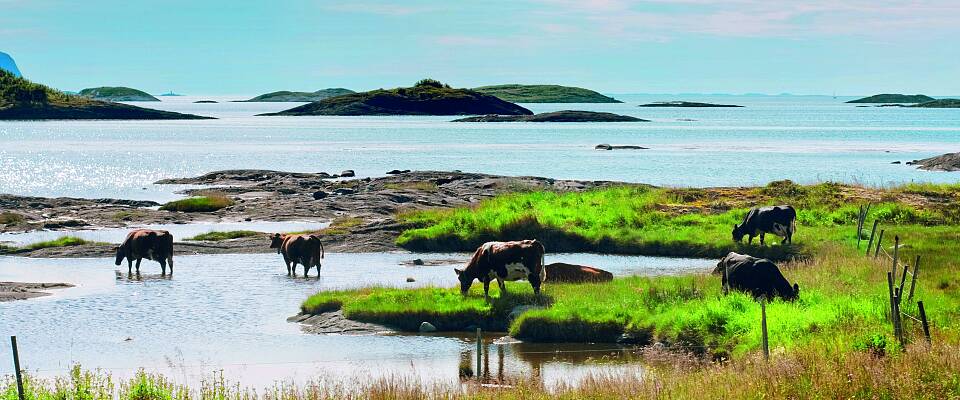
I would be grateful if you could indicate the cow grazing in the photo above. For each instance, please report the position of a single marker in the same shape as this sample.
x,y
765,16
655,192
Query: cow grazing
x,y
572,273
306,250
504,261
758,276
778,220
149,244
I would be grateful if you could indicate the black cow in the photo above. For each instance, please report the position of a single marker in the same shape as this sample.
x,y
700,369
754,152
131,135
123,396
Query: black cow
x,y
758,276
504,261
778,220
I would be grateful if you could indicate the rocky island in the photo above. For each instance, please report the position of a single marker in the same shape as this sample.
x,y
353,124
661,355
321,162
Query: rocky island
x,y
117,93
894,98
303,97
21,99
685,104
947,162
545,94
556,116
941,103
427,97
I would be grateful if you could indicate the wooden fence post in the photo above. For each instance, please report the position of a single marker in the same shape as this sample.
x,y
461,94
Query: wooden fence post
x,y
913,279
890,293
897,327
879,243
16,367
903,279
726,281
896,255
872,232
763,327
923,321
859,225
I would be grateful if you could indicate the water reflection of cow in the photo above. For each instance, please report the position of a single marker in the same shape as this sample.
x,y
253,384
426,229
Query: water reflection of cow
x,y
530,358
149,244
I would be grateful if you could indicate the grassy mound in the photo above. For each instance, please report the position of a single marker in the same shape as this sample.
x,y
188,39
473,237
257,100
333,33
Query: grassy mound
x,y
658,221
21,99
288,96
427,97
59,242
206,203
545,94
217,236
117,93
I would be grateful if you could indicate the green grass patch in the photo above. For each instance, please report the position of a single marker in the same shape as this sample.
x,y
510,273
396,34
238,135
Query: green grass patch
x,y
207,203
59,242
11,218
218,236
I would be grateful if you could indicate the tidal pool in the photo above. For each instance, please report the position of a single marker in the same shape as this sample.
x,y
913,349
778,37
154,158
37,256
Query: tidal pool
x,y
228,313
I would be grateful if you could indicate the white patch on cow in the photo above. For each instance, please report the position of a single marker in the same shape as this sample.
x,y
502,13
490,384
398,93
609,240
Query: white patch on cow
x,y
515,272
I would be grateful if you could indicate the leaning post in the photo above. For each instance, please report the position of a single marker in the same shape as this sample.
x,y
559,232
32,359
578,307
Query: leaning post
x,y
923,321
16,367
913,279
879,243
890,293
859,225
763,328
903,280
872,232
896,255
479,353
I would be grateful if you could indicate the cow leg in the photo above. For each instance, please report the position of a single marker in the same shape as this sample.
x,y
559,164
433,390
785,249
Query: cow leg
x,y
762,234
170,262
163,267
486,288
129,267
503,286
138,266
750,239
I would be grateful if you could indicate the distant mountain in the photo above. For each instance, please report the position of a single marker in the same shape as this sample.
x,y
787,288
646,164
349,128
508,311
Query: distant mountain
x,y
556,116
427,97
7,64
545,94
941,103
894,98
21,99
119,93
307,97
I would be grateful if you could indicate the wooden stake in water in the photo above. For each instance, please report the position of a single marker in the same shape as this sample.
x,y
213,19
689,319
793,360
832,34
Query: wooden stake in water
x,y
16,367
763,328
479,353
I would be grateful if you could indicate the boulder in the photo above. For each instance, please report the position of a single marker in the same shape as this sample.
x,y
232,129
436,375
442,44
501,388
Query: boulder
x,y
347,173
572,273
426,327
344,191
319,195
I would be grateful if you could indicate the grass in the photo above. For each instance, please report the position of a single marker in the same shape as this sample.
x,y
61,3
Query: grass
x,y
218,236
59,242
11,218
127,215
921,372
206,203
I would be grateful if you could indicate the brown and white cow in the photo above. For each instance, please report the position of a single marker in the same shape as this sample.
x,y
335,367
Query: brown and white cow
x,y
149,244
504,261
306,250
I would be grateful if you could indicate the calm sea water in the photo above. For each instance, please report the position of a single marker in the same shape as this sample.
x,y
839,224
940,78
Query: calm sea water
x,y
228,312
807,139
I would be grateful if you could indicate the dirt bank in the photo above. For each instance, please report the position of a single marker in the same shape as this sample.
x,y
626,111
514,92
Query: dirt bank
x,y
10,291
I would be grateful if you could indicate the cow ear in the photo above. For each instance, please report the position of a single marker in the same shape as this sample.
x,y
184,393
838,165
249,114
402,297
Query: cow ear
x,y
458,271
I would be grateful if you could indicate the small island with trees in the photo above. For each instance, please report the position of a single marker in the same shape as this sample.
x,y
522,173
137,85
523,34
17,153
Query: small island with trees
x,y
303,97
117,93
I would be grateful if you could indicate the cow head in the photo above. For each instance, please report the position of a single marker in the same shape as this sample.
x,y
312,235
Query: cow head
x,y
119,255
737,233
465,280
276,241
796,293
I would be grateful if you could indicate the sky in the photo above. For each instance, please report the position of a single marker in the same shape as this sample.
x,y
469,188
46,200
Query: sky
x,y
212,47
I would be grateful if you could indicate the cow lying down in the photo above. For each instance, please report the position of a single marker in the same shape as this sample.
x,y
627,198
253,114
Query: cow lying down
x,y
149,244
504,261
758,276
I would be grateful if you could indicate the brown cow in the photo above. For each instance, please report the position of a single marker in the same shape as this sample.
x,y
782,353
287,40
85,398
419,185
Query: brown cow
x,y
306,250
572,273
504,261
149,244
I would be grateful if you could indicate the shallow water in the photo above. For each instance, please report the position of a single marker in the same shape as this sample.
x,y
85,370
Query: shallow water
x,y
179,231
229,312
806,139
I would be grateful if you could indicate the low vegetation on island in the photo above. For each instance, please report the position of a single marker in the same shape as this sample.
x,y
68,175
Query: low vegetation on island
x,y
556,116
118,93
894,98
545,94
64,241
427,97
941,103
206,203
21,99
689,104
219,236
843,293
288,96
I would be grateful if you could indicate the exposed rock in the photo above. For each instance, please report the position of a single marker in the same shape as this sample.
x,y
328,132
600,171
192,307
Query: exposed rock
x,y
556,116
426,327
685,104
545,94
411,279
305,97
397,171
893,98
10,291
941,103
118,93
347,173
344,191
335,323
319,195
621,147
205,102
947,162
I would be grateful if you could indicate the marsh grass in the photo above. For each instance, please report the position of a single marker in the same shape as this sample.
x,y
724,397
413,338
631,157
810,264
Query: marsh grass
x,y
11,218
206,203
217,236
59,242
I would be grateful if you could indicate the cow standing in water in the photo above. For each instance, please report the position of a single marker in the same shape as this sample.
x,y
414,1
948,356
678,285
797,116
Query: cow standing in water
x,y
504,261
306,250
149,244
778,220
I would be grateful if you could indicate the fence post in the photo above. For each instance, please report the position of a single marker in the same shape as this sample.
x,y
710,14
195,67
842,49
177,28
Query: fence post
x,y
913,279
859,225
879,243
16,367
923,321
903,280
872,232
763,327
897,328
726,281
479,353
890,293
896,255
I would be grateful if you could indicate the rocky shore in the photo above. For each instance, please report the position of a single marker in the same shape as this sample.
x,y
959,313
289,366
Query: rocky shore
x,y
362,211
10,291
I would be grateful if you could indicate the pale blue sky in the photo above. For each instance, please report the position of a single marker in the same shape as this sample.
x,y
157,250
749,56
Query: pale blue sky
x,y
614,46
